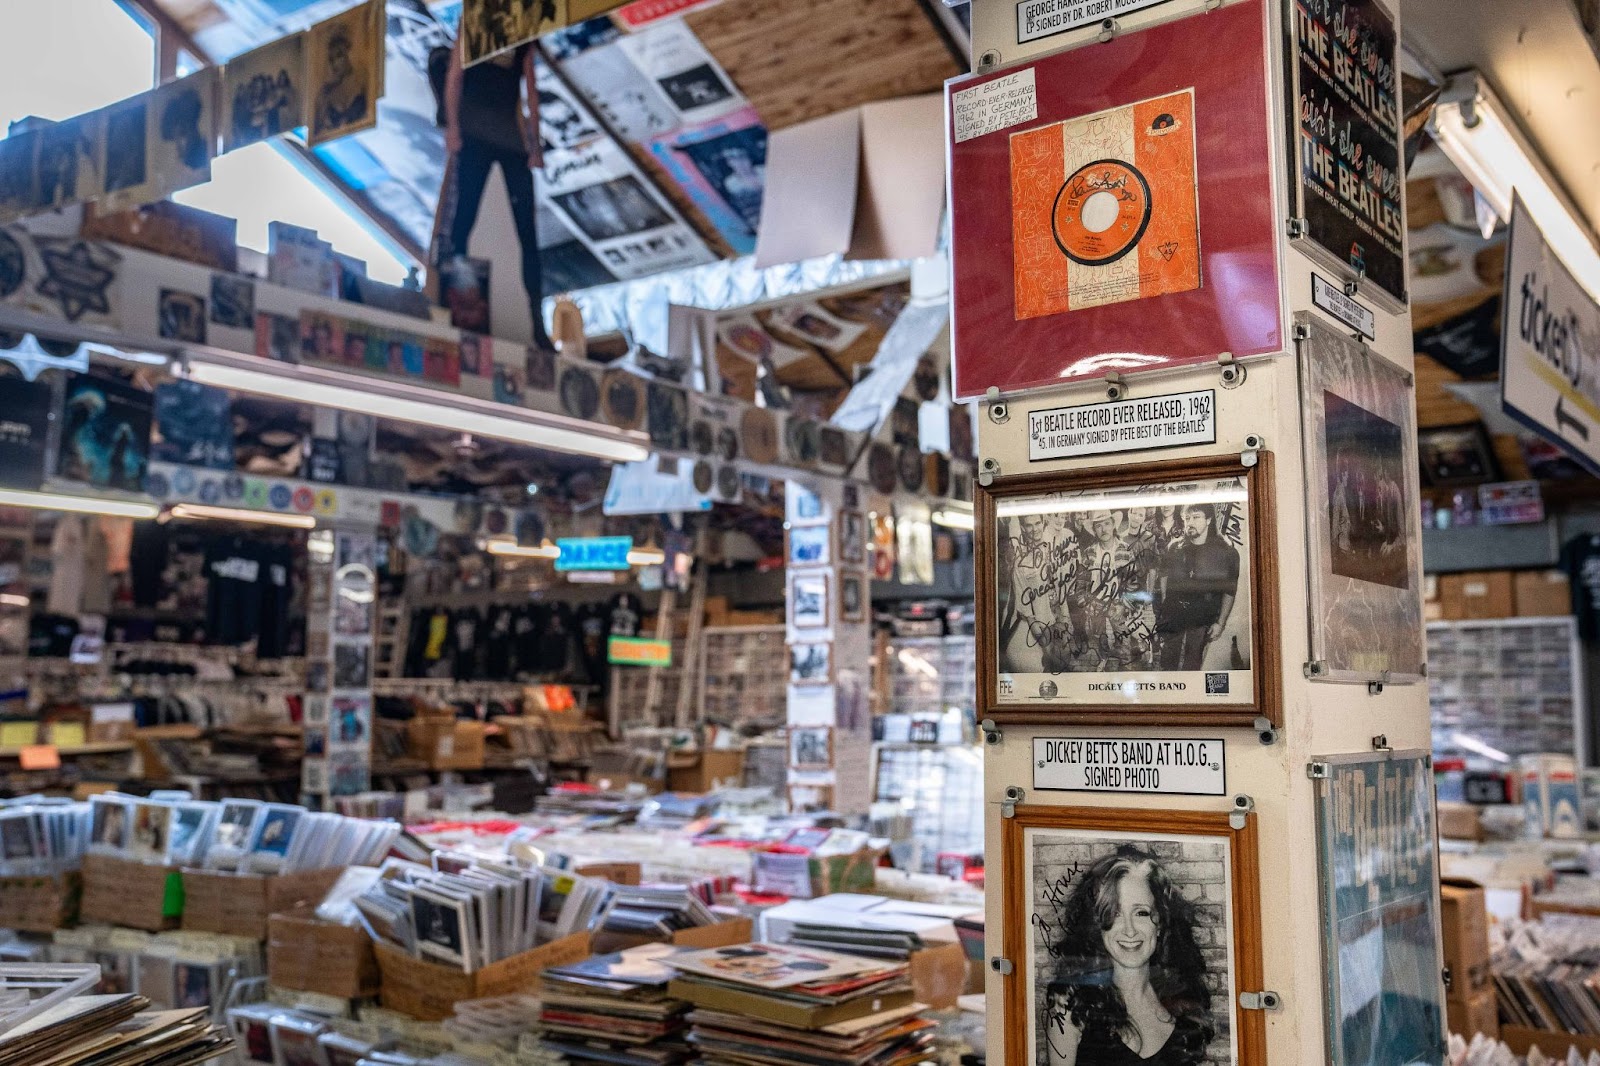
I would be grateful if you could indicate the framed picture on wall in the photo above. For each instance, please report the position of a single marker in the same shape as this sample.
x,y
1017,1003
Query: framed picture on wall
x,y
1380,919
1129,594
809,545
1457,456
1364,524
811,747
804,798
852,537
811,663
852,597
1180,892
808,599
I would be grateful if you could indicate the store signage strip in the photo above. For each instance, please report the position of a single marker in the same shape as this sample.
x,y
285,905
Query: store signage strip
x,y
1169,421
1186,766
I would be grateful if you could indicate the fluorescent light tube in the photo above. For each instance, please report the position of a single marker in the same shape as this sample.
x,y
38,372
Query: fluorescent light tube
x,y
57,501
239,514
646,557
511,548
1481,137
953,519
402,402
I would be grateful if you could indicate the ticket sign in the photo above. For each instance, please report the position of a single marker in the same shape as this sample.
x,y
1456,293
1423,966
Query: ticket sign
x,y
1172,766
593,553
638,651
1549,370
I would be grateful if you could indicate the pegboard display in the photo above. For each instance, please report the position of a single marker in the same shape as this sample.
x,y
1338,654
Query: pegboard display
x,y
929,675
1513,685
745,674
941,790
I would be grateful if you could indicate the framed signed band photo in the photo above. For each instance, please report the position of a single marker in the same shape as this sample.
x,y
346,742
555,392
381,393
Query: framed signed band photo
x,y
1135,934
1129,594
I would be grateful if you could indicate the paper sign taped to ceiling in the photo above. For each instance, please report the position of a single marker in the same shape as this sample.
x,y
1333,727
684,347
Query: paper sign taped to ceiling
x,y
994,105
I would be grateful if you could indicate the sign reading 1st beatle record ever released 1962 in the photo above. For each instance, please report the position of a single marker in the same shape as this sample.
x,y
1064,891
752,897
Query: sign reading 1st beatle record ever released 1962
x,y
1347,140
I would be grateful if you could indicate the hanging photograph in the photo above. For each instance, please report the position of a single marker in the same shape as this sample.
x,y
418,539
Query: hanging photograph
x,y
71,161
1381,951
183,131
808,545
1130,593
811,663
811,747
127,175
1135,933
808,600
345,57
1364,521
489,27
264,92
1344,82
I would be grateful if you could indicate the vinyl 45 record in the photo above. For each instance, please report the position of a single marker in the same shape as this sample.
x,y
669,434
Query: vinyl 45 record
x,y
759,429
669,416
622,400
580,393
881,468
909,462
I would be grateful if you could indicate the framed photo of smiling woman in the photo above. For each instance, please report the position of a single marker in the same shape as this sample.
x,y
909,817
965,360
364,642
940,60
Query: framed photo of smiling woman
x,y
1129,594
1134,933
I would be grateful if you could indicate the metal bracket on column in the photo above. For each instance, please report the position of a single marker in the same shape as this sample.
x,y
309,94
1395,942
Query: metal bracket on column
x,y
1315,668
988,470
1242,806
999,411
988,61
1116,387
991,731
1002,967
1232,370
1266,732
1252,444
1260,1001
1381,742
1297,228
1108,29
1318,771
1375,688
1353,286
1008,806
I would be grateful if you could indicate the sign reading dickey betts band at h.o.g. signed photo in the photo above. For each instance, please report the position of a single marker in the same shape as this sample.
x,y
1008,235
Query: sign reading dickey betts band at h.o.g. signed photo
x,y
1124,596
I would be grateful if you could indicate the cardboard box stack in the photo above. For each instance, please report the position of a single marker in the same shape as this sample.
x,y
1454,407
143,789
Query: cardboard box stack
x,y
1464,921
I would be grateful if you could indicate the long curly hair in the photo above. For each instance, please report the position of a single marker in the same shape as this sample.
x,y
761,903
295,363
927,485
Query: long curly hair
x,y
1084,986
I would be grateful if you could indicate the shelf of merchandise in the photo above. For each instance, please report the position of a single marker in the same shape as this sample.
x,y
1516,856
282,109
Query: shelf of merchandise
x,y
73,750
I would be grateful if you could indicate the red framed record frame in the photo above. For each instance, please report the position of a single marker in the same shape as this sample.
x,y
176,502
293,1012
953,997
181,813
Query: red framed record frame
x,y
1222,56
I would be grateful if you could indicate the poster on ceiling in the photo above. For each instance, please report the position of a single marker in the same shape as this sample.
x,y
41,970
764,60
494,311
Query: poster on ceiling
x,y
489,27
671,56
1104,207
264,92
722,165
345,59
1174,265
183,131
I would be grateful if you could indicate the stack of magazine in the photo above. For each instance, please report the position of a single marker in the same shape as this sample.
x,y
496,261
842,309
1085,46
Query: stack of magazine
x,y
615,1009
116,1029
472,914
792,986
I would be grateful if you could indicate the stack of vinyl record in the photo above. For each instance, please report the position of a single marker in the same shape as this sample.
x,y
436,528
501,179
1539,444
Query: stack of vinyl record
x,y
615,1009
116,1030
775,1003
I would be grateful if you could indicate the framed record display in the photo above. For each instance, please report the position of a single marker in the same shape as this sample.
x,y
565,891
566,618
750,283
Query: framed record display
x,y
1380,920
1363,519
1129,594
1140,219
1168,901
1347,165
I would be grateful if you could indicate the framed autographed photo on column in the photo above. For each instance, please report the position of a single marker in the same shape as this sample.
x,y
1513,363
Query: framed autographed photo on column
x,y
1363,521
1129,594
1132,934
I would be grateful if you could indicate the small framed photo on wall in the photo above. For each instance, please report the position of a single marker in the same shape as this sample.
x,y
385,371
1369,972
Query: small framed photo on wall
x,y
808,599
852,537
1168,901
1457,456
1129,594
811,663
809,545
853,597
811,747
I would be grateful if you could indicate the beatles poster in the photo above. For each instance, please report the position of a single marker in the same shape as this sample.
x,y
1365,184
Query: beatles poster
x,y
345,55
1347,137
1104,207
1380,908
1137,595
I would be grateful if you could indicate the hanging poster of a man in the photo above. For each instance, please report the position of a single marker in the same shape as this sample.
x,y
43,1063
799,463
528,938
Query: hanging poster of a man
x,y
489,27
183,130
127,172
1124,595
345,55
70,161
264,92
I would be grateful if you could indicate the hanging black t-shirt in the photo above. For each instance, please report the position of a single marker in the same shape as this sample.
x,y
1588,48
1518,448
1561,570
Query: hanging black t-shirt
x,y
592,620
525,640
273,640
235,577
147,560
465,629
1580,558
498,646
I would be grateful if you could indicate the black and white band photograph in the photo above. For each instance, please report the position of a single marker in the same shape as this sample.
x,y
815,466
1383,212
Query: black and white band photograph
x,y
1136,594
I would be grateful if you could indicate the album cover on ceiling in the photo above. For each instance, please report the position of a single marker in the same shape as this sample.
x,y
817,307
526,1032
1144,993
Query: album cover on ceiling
x,y
345,56
264,92
105,433
24,427
184,125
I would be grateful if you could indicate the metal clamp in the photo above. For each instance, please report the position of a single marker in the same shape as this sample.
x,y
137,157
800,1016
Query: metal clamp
x,y
1300,332
1353,286
988,61
1375,688
988,470
1002,967
1381,742
1260,1001
1297,228
1116,386
1242,807
1266,732
1319,771
1013,796
1108,30
1315,668
1253,443
999,411
1232,370
991,731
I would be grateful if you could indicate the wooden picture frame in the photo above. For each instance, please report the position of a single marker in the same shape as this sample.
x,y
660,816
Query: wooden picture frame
x,y
853,607
811,747
852,536
1457,456
808,596
1055,857
803,797
811,663
1065,638
806,546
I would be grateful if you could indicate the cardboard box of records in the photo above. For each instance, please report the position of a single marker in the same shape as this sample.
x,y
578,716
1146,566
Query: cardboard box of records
x,y
307,954
429,991
40,904
446,743
239,904
137,895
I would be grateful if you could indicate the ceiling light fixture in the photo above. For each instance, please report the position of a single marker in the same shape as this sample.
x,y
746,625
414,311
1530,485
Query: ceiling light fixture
x,y
403,402
953,519
59,501
1482,139
646,557
512,548
13,599
238,514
